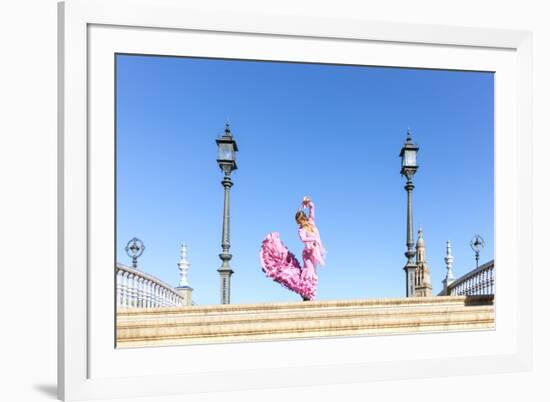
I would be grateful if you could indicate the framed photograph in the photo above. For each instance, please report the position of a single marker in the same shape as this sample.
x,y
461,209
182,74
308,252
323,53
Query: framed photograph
x,y
243,197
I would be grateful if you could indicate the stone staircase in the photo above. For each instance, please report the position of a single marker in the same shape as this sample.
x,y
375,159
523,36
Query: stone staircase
x,y
250,322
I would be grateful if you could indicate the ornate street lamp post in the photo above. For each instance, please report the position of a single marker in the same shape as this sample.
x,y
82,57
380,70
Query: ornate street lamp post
x,y
408,169
227,149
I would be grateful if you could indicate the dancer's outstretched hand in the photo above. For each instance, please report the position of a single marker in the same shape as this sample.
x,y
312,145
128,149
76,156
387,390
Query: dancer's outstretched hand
x,y
306,200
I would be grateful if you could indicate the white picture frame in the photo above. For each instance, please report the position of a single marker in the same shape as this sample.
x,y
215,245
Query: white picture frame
x,y
90,367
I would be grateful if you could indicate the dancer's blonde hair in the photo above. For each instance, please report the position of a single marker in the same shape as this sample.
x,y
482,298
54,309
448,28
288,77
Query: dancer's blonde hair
x,y
303,221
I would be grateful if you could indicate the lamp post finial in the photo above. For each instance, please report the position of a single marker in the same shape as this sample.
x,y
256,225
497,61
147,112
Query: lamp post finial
x,y
134,249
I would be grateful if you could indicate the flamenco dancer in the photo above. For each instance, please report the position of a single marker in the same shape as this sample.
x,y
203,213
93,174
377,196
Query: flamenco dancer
x,y
281,265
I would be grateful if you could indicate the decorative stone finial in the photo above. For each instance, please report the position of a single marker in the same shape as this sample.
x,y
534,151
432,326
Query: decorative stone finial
x,y
449,260
420,241
183,266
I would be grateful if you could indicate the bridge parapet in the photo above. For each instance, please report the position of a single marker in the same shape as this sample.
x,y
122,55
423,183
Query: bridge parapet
x,y
292,320
480,281
138,289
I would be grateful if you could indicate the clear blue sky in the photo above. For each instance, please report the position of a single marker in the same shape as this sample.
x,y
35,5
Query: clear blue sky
x,y
331,132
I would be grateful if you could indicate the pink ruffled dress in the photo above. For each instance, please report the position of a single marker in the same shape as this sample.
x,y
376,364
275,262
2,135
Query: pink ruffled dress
x,y
282,266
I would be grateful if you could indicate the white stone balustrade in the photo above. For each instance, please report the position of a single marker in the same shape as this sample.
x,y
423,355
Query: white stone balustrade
x,y
480,281
136,289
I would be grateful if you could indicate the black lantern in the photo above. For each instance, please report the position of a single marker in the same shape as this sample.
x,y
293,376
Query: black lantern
x,y
227,149
408,157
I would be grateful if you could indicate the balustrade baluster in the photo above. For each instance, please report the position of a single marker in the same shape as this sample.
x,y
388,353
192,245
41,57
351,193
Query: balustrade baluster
x,y
145,291
148,294
131,289
157,298
140,292
118,278
125,296
125,289
136,291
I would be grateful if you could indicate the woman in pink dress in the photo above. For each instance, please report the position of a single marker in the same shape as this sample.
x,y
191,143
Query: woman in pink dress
x,y
282,266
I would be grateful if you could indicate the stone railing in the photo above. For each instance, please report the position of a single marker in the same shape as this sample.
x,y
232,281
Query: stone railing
x,y
294,320
480,281
135,288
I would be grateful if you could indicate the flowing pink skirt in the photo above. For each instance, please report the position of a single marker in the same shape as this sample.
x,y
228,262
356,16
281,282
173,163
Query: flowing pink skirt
x,y
281,265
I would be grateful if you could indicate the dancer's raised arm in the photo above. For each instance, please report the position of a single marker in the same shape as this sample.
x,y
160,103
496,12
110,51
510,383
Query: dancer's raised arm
x,y
307,203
